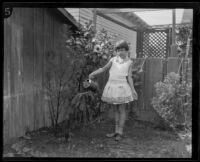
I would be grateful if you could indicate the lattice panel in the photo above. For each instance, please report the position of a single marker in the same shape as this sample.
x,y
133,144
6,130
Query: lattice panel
x,y
154,44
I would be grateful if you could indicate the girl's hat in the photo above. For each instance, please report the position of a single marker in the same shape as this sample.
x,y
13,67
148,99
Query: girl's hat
x,y
122,44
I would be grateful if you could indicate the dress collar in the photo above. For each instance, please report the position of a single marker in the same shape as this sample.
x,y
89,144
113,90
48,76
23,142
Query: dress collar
x,y
120,60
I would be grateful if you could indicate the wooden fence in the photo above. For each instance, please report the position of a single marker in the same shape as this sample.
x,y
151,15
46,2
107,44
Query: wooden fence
x,y
29,33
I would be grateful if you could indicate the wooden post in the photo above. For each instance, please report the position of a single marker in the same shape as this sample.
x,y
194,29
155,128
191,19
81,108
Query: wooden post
x,y
95,18
173,45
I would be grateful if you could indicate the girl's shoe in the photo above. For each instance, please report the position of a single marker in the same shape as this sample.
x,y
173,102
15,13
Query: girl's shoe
x,y
111,135
118,137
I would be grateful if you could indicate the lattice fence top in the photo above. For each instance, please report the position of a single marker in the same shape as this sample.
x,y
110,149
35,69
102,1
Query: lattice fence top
x,y
154,44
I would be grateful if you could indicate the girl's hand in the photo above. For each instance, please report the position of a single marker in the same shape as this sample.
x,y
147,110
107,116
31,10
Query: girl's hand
x,y
91,77
134,93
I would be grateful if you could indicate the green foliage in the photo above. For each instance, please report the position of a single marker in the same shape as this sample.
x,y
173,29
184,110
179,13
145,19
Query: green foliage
x,y
93,50
182,35
173,101
84,51
86,107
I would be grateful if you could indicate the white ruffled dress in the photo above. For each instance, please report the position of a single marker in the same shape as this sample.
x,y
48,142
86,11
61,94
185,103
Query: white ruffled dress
x,y
117,89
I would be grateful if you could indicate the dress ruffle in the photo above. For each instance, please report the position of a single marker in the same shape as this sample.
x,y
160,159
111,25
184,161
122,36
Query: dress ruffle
x,y
117,92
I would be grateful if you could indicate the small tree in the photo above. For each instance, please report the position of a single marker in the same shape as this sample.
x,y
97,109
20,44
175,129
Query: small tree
x,y
60,79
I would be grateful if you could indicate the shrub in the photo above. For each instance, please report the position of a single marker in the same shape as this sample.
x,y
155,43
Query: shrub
x,y
173,101
94,50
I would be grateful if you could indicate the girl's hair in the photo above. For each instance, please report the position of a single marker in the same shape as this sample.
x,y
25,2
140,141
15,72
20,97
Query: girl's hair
x,y
122,44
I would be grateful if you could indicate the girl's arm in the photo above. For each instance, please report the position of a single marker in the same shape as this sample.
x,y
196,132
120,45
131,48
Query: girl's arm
x,y
100,70
130,80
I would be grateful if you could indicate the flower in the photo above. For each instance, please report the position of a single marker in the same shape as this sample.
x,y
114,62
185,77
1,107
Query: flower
x,y
97,48
102,45
104,57
69,41
78,42
94,40
86,34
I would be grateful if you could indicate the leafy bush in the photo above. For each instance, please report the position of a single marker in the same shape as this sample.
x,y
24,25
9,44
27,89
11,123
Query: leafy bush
x,y
86,106
173,101
95,50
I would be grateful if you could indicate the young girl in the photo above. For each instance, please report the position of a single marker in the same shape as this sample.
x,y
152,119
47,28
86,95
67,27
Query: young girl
x,y
118,91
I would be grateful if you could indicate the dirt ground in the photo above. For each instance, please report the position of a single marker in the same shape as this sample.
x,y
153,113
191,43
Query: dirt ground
x,y
141,141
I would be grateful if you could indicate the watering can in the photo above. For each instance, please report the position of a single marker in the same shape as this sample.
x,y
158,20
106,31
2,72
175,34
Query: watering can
x,y
91,85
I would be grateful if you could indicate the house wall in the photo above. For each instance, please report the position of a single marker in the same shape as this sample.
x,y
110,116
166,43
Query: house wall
x,y
74,12
86,14
29,34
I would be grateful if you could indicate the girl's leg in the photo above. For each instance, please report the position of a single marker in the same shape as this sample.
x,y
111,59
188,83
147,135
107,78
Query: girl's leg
x,y
116,113
122,117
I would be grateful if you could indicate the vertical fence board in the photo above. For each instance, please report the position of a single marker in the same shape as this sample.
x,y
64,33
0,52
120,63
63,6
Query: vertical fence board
x,y
21,74
43,69
39,43
16,39
57,50
7,54
46,47
173,64
19,47
36,69
153,74
13,74
28,58
51,43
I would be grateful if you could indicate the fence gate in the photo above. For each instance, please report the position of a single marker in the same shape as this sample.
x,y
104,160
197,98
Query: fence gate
x,y
153,43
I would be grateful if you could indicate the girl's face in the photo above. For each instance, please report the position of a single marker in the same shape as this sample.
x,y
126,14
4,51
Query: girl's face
x,y
122,53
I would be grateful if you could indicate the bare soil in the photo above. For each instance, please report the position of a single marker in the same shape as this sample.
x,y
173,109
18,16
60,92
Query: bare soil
x,y
141,140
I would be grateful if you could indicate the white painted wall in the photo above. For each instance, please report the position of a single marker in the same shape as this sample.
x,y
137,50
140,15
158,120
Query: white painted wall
x,y
83,15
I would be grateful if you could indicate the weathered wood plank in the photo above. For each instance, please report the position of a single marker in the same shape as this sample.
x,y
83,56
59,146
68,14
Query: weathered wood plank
x,y
46,41
21,74
28,58
57,44
37,67
7,102
153,74
173,64
13,78
39,61
48,45
19,47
